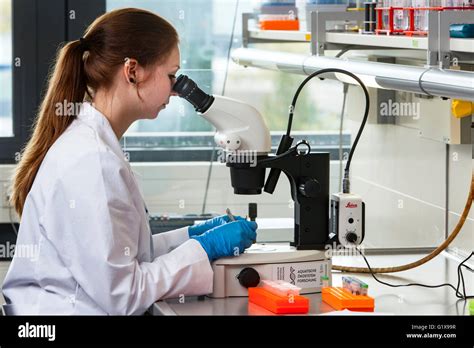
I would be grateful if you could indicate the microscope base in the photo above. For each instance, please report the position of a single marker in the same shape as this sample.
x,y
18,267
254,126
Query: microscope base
x,y
272,261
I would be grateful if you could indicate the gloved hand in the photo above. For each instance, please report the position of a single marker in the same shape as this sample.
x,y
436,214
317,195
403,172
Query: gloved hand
x,y
229,239
205,226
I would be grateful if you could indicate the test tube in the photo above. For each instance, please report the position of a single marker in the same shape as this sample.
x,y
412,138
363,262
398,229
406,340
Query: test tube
x,y
355,288
280,288
346,284
400,17
325,281
453,3
358,286
421,16
386,14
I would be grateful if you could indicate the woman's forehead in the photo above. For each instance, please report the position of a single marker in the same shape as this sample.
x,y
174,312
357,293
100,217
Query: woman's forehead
x,y
174,58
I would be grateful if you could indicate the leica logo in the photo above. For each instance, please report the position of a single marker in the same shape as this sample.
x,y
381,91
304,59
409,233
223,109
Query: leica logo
x,y
351,205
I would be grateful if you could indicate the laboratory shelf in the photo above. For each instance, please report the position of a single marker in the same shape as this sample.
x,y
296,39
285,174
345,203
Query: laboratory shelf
x,y
280,35
381,41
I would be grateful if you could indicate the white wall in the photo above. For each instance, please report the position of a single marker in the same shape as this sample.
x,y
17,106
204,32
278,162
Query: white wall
x,y
401,175
461,166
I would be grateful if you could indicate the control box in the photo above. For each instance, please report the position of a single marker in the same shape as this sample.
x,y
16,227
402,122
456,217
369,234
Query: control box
x,y
347,218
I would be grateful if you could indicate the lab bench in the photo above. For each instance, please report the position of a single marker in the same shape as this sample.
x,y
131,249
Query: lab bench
x,y
413,300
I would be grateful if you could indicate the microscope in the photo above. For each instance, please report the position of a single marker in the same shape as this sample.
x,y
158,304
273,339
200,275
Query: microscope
x,y
245,140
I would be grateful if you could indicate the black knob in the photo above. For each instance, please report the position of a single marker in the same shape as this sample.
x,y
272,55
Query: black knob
x,y
351,237
252,211
248,278
351,220
310,188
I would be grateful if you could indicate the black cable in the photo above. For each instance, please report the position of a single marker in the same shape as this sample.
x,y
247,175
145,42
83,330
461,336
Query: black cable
x,y
461,276
420,83
364,120
456,289
343,51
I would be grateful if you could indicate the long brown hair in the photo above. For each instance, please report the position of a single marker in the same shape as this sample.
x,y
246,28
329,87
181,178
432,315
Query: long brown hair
x,y
81,67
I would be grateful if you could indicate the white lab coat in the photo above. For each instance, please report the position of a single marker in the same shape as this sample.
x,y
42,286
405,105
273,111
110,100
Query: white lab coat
x,y
85,240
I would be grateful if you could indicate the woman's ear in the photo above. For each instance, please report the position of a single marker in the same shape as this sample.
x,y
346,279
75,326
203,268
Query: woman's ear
x,y
130,70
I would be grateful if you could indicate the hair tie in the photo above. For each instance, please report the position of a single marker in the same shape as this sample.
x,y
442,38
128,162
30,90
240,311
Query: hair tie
x,y
83,43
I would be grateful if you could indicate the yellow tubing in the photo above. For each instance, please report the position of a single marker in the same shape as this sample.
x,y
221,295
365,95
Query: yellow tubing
x,y
428,257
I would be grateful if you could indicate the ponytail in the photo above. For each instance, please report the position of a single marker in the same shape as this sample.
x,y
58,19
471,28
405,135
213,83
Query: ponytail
x,y
67,84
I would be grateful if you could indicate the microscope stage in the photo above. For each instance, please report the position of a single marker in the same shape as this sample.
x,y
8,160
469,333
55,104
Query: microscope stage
x,y
271,261
264,253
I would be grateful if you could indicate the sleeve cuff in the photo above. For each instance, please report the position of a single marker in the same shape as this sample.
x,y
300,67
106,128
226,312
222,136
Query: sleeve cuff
x,y
165,242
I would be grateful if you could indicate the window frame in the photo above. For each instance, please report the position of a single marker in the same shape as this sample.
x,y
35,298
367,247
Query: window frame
x,y
205,148
23,24
38,28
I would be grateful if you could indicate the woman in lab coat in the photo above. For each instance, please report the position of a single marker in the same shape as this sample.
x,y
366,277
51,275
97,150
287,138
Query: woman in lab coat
x,y
83,218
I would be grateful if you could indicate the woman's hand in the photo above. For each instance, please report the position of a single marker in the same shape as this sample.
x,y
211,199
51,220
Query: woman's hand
x,y
207,225
229,239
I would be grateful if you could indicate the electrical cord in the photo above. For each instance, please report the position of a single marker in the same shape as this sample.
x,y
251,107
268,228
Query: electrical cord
x,y
343,51
456,289
211,161
420,83
341,124
346,183
428,257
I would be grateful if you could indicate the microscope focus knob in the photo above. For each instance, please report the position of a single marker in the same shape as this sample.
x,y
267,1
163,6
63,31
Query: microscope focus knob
x,y
248,277
351,237
310,188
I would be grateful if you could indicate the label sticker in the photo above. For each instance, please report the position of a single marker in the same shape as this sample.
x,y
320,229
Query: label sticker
x,y
303,274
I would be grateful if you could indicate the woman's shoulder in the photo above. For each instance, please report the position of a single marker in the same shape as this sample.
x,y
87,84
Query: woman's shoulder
x,y
80,145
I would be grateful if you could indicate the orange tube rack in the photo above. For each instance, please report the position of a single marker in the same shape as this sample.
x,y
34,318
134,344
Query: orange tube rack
x,y
340,299
295,304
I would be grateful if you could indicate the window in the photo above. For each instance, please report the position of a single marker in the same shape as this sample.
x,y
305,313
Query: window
x,y
6,119
206,29
31,31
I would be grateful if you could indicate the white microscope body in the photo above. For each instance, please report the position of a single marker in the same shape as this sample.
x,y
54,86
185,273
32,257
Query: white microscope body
x,y
240,127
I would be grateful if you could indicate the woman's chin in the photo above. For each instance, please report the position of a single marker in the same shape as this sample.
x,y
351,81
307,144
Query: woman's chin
x,y
161,108
153,114
150,116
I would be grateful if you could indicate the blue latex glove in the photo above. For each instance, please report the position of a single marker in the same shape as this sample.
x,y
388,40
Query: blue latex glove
x,y
207,225
230,239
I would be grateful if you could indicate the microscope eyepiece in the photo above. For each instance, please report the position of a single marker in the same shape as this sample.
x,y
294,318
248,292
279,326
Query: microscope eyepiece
x,y
188,89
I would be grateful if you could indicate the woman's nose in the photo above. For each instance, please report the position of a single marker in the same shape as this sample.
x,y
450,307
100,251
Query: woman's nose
x,y
174,94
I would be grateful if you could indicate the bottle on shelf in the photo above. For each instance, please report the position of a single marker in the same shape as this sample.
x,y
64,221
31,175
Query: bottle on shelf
x,y
400,16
